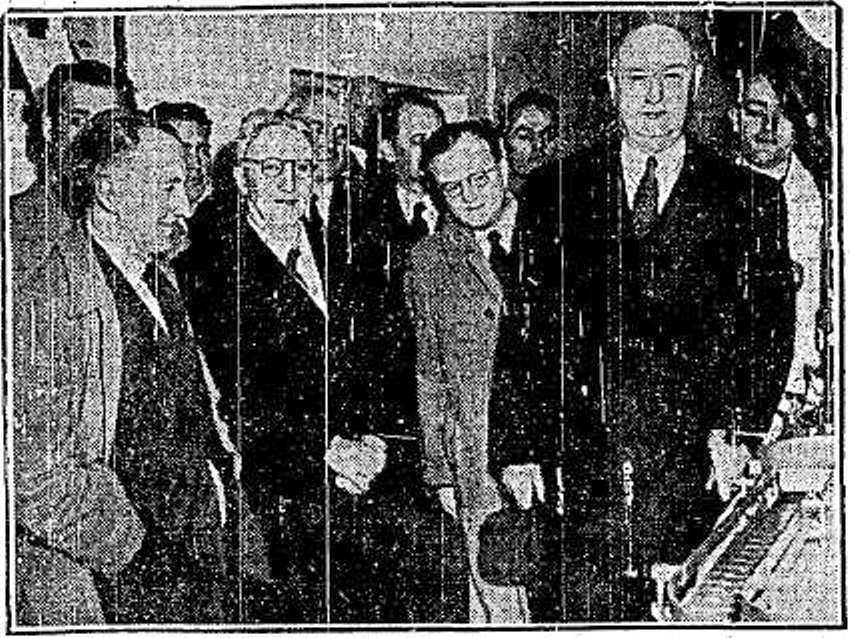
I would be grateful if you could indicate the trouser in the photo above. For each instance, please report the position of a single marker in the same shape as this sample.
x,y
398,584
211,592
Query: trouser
x,y
52,589
169,581
488,604
395,559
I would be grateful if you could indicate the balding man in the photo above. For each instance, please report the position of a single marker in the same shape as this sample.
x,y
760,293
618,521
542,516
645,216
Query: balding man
x,y
676,264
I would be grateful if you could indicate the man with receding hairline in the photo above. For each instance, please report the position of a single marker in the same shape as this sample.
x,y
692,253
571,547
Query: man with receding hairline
x,y
661,239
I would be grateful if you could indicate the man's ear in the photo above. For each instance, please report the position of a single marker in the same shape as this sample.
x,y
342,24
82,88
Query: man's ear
x,y
104,192
698,70
239,178
612,85
387,151
732,114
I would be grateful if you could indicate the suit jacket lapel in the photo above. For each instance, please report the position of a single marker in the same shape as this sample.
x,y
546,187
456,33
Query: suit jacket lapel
x,y
475,263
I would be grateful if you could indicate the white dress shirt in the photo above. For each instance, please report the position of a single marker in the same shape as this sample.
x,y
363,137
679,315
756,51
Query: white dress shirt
x,y
504,226
308,274
408,199
133,270
670,162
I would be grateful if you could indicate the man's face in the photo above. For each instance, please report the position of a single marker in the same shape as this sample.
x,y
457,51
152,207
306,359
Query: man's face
x,y
653,78
278,175
766,134
149,196
528,136
415,124
196,153
78,102
469,178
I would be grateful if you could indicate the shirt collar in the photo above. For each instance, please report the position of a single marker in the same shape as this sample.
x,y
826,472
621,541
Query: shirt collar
x,y
779,174
132,268
504,225
306,267
407,200
669,160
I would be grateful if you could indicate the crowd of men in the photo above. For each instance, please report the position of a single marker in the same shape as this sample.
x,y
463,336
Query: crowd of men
x,y
293,386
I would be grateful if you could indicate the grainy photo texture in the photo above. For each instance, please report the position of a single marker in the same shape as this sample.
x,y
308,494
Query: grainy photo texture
x,y
368,316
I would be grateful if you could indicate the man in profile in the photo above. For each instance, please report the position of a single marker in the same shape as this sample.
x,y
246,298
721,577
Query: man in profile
x,y
193,127
663,347
129,187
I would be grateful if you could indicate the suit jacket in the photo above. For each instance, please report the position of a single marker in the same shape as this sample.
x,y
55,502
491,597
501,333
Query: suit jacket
x,y
456,300
381,259
664,335
264,340
67,357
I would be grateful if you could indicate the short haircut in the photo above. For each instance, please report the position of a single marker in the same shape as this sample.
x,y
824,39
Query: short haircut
x,y
391,111
444,138
528,98
681,22
89,72
108,134
165,112
260,119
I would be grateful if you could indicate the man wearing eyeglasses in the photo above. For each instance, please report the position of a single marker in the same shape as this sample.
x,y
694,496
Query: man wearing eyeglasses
x,y
477,333
259,300
675,263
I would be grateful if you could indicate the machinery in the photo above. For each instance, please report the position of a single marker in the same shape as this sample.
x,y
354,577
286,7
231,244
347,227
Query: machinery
x,y
774,554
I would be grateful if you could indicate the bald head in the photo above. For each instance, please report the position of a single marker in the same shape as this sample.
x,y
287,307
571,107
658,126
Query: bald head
x,y
653,75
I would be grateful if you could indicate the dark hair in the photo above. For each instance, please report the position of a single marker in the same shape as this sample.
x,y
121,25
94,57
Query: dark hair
x,y
811,143
443,139
108,134
92,73
168,111
528,98
397,101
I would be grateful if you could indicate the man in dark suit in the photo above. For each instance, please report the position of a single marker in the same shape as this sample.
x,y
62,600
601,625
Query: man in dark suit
x,y
400,525
397,213
676,321
265,340
128,184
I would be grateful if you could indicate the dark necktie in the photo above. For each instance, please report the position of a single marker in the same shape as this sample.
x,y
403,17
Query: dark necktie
x,y
170,304
499,259
418,224
292,262
645,209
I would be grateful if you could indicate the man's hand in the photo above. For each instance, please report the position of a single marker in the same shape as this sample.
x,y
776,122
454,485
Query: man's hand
x,y
448,501
727,464
523,482
356,461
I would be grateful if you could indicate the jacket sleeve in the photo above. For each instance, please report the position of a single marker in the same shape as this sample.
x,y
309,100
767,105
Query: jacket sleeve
x,y
66,494
432,389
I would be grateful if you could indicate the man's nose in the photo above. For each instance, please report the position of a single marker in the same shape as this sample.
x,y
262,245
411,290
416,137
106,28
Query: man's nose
x,y
287,178
182,208
767,130
470,193
655,90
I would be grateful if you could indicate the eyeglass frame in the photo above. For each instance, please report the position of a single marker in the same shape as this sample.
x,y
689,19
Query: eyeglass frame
x,y
311,164
445,187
